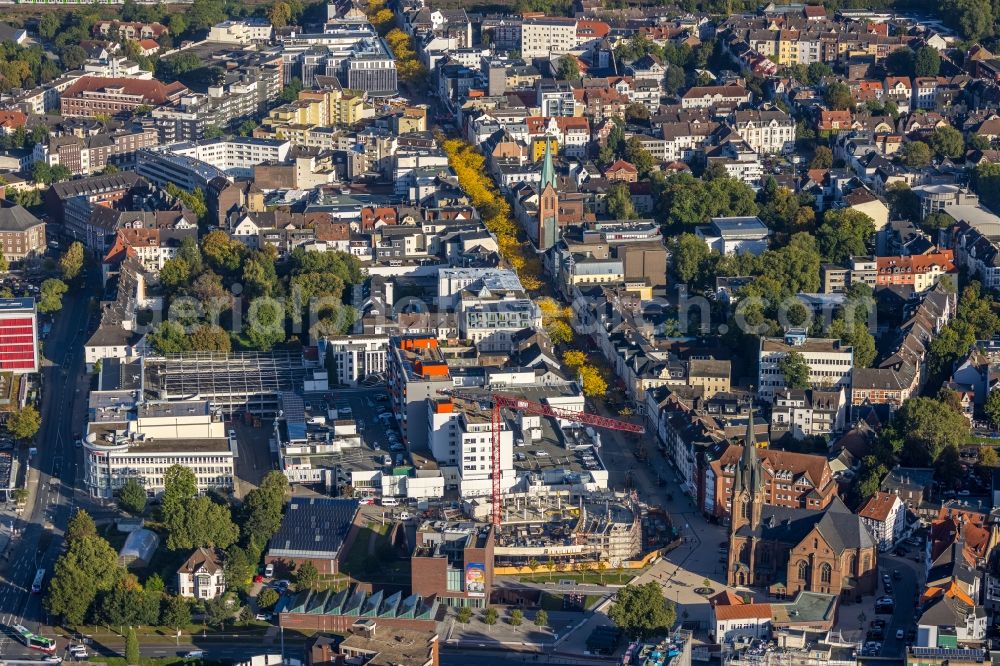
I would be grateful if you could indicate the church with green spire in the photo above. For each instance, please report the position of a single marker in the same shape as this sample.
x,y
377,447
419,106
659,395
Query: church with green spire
x,y
548,202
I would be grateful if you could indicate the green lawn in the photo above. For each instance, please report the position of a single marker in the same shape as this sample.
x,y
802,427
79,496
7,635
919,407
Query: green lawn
x,y
610,577
551,601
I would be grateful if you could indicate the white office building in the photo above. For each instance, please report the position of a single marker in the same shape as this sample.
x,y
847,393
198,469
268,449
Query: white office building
x,y
236,156
131,438
829,361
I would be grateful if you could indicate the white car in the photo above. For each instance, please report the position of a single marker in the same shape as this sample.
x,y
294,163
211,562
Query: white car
x,y
405,516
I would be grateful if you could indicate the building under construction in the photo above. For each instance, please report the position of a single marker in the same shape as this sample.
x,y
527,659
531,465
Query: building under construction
x,y
567,529
234,382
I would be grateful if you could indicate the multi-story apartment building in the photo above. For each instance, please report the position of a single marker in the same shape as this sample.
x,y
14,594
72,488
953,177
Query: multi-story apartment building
x,y
309,120
709,97
242,32
976,243
555,98
237,156
793,480
491,323
131,438
680,141
921,271
19,351
808,412
70,203
255,82
185,120
353,357
460,436
84,156
416,370
151,247
545,35
573,134
96,95
21,234
829,361
130,30
766,130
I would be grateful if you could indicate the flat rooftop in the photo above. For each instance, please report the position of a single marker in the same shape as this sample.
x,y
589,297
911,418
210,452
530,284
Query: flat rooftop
x,y
17,305
174,409
818,345
392,647
570,450
193,445
807,607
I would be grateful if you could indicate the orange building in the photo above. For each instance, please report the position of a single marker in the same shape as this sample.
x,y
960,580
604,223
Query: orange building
x,y
922,271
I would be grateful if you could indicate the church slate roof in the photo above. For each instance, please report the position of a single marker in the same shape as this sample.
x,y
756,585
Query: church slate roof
x,y
842,529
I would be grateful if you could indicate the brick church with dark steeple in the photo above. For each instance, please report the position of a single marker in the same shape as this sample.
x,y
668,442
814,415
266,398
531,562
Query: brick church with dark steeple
x,y
788,550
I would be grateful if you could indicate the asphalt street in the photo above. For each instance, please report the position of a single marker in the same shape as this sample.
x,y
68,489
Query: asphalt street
x,y
51,476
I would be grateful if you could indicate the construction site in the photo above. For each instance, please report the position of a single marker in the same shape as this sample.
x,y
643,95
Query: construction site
x,y
562,528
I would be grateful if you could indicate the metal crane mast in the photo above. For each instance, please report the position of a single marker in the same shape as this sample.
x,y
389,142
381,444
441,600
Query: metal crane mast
x,y
502,401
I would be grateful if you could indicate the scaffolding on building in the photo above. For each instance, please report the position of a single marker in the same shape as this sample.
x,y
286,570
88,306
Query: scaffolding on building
x,y
238,381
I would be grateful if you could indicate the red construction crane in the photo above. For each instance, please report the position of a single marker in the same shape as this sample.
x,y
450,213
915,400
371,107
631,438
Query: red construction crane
x,y
502,401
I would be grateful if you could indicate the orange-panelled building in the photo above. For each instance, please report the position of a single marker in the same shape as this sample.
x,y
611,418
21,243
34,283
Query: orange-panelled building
x,y
416,370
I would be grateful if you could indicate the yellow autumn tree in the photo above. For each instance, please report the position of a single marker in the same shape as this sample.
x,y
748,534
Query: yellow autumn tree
x,y
574,359
559,332
592,381
382,17
470,167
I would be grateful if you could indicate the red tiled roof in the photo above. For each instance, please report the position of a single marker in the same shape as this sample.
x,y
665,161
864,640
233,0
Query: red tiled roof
x,y
891,81
743,612
621,165
13,119
816,468
152,91
922,263
878,506
592,29
725,598
536,124
729,91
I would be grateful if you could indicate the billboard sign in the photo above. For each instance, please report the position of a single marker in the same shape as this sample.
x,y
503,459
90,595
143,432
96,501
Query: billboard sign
x,y
475,579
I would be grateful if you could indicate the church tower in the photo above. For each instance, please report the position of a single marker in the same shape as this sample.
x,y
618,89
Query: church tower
x,y
548,202
748,485
747,505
